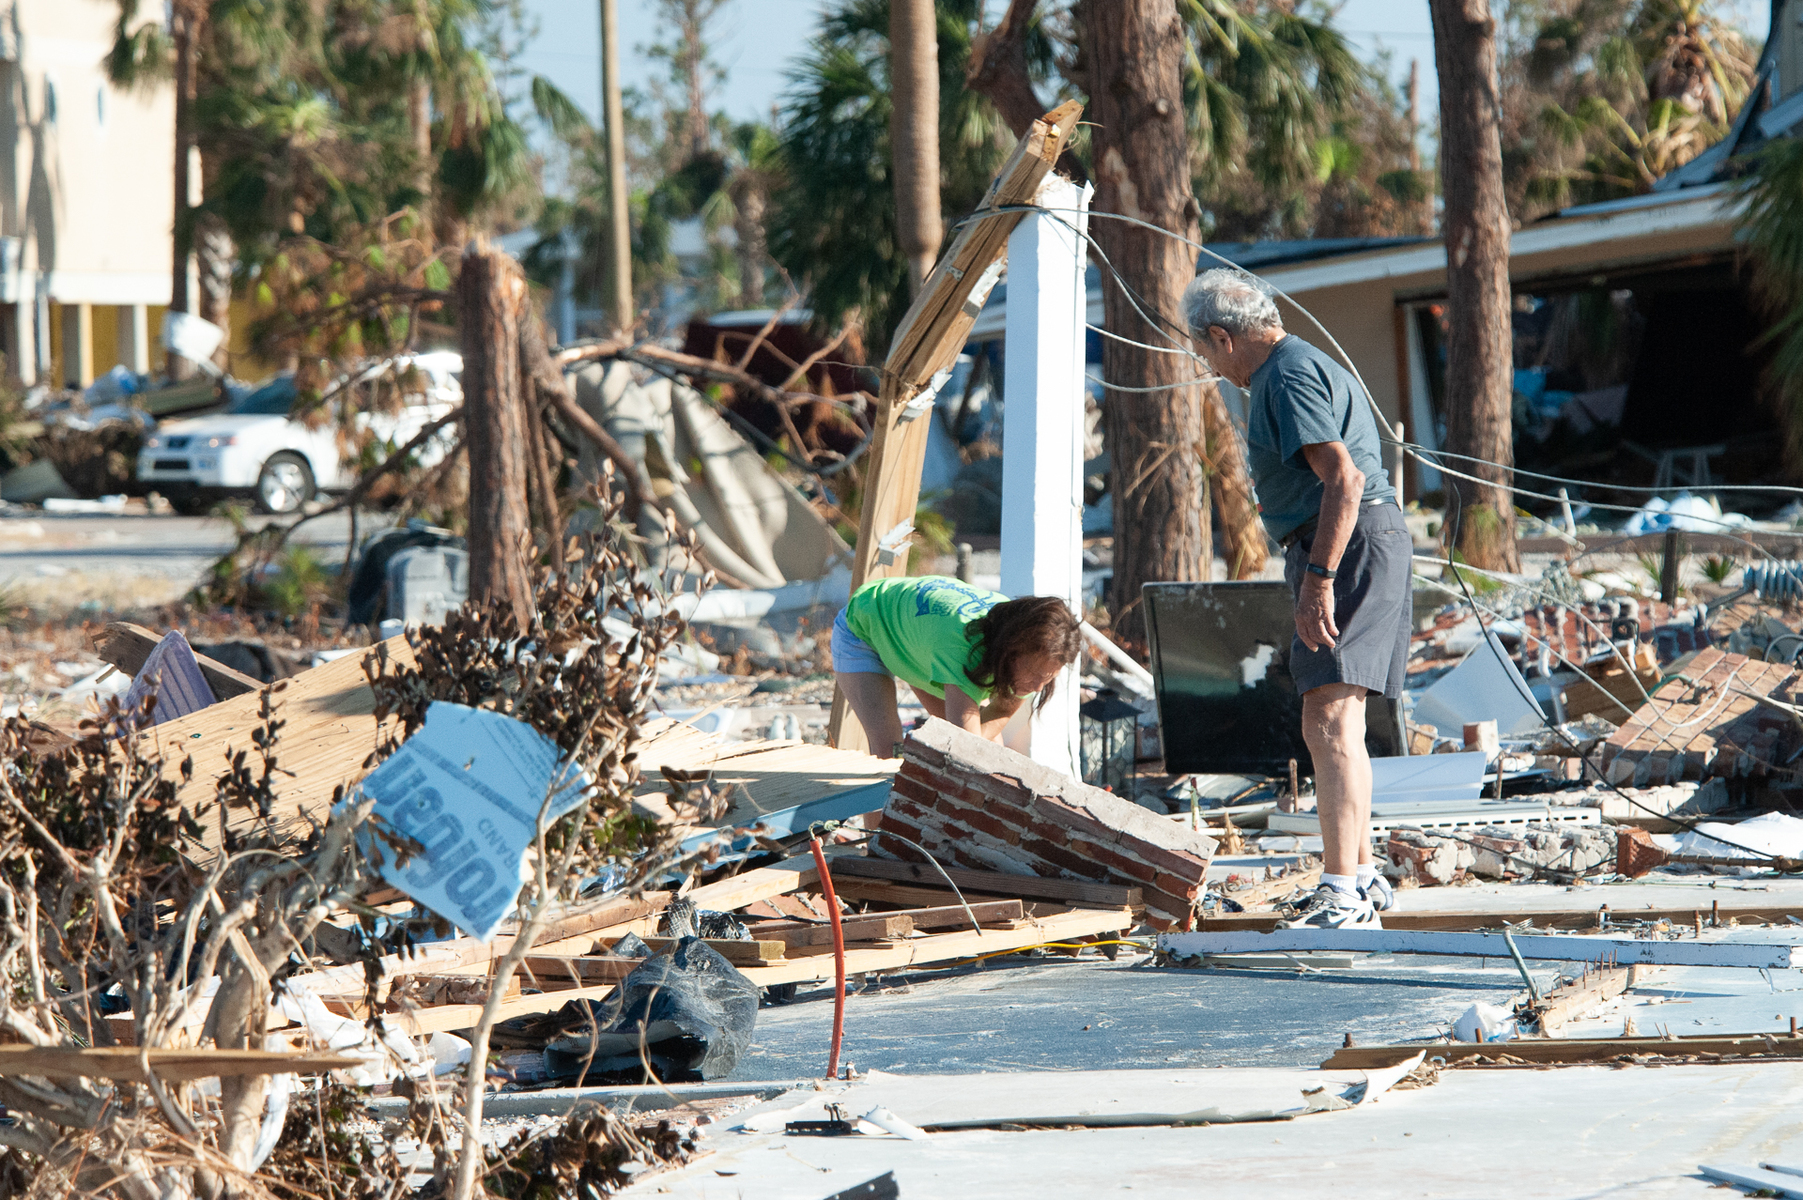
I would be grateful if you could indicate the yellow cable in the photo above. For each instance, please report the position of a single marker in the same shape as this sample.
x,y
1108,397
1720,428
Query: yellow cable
x,y
1054,946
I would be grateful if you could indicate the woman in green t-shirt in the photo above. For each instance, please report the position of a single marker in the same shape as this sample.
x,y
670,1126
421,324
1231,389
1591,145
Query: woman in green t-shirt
x,y
971,655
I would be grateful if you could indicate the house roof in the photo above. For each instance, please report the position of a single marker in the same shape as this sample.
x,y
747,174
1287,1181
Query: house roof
x,y
1256,255
1704,212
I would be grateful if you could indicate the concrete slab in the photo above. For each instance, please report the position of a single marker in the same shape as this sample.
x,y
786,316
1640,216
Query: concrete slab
x,y
1054,1014
1654,891
1708,951
1565,1133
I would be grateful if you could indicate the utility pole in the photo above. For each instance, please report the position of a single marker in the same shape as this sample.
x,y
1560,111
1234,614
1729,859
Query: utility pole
x,y
619,304
1424,216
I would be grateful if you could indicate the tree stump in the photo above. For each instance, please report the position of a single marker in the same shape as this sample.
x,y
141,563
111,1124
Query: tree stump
x,y
491,304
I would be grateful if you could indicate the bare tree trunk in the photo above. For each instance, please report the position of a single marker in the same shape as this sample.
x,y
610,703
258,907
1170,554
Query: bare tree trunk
x,y
214,255
182,21
1132,52
998,72
998,67
491,304
691,60
749,204
543,490
1230,489
620,310
419,128
1476,229
914,133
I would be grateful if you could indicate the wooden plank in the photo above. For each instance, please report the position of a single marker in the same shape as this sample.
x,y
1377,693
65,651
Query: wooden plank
x,y
918,951
444,958
738,953
126,646
1565,1004
448,1017
946,947
1582,920
760,883
934,328
331,729
906,896
589,968
953,916
125,1062
1574,1050
1621,950
927,340
796,934
993,883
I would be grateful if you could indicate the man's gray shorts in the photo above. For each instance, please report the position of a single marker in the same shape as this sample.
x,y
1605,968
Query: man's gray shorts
x,y
1371,606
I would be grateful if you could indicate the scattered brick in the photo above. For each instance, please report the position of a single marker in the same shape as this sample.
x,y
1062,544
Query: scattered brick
x,y
976,803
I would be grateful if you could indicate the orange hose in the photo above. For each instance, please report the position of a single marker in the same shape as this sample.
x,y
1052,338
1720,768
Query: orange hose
x,y
832,910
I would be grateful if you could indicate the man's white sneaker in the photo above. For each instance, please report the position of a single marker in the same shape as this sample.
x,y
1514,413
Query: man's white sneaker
x,y
1330,908
1380,893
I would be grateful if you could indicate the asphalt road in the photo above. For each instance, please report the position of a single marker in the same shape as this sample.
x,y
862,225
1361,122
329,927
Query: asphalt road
x,y
132,558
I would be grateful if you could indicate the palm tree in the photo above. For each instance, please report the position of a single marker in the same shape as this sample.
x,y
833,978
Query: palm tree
x,y
1771,227
1626,98
914,134
1263,89
833,220
753,171
317,117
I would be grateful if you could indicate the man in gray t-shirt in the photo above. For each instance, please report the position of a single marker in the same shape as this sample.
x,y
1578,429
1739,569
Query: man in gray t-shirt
x,y
1316,462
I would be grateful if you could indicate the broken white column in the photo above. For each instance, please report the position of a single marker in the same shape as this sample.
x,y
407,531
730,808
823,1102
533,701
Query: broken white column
x,y
1042,438
25,332
134,337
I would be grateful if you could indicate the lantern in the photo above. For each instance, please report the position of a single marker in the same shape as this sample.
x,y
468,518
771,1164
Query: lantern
x,y
1109,735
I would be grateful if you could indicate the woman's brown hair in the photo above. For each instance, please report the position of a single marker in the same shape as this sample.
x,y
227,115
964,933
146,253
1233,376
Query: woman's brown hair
x,y
1013,629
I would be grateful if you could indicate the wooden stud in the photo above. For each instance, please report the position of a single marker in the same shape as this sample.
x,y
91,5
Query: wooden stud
x,y
927,340
127,646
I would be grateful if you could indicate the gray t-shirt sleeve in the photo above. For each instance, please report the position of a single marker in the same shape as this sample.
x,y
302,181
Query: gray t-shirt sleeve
x,y
1305,414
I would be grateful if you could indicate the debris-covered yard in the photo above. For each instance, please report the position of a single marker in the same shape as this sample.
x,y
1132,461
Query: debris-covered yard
x,y
447,767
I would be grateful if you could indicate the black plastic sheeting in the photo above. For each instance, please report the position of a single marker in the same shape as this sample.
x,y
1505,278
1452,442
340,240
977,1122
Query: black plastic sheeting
x,y
689,1014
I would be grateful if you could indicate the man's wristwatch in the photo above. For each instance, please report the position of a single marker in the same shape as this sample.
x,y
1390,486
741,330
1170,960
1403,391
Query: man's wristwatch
x,y
1323,572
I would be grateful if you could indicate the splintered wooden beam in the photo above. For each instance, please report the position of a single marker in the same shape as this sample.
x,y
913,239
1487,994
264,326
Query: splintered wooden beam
x,y
1269,890
126,646
913,898
927,341
1574,1050
125,1062
1571,1001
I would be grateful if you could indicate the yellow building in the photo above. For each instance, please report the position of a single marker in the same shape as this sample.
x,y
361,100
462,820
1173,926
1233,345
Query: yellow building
x,y
86,198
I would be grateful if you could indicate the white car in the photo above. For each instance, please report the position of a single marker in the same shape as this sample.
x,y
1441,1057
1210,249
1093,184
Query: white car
x,y
253,447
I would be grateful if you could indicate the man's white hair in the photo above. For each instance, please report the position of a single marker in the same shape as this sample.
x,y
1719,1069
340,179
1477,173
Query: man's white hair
x,y
1230,299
